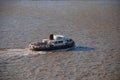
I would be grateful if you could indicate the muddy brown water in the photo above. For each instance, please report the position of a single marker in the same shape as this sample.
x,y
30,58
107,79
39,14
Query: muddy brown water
x,y
93,25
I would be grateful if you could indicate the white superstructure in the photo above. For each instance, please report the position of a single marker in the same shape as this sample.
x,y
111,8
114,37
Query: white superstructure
x,y
57,41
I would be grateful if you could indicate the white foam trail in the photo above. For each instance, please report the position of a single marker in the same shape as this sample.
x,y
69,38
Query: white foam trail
x,y
27,52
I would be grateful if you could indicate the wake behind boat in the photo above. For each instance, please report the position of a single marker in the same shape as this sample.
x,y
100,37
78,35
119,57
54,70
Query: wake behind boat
x,y
54,42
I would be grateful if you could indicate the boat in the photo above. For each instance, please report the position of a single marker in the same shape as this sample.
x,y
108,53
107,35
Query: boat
x,y
54,42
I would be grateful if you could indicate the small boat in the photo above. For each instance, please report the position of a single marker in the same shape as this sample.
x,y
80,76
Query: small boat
x,y
54,42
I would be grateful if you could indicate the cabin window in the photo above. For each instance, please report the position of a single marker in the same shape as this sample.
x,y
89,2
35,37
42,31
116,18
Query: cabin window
x,y
57,42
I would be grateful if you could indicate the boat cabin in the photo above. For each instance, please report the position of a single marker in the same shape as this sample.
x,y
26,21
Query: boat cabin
x,y
55,40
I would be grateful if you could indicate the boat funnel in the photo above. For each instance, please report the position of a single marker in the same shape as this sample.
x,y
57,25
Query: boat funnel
x,y
51,37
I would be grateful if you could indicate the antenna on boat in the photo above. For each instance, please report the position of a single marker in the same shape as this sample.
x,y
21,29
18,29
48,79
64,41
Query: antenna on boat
x,y
51,37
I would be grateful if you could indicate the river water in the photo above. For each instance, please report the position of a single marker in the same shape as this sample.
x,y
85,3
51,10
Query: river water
x,y
93,25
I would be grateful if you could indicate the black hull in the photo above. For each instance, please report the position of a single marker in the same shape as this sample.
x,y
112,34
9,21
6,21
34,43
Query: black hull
x,y
69,45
